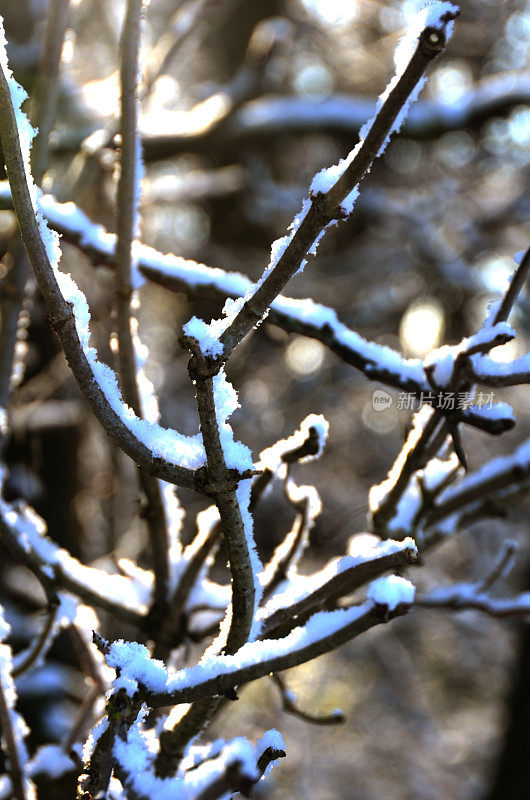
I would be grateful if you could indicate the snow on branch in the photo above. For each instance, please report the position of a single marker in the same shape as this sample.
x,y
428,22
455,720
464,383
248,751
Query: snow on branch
x,y
304,445
182,275
206,772
498,477
486,371
302,595
468,596
323,632
272,114
442,365
304,316
12,725
396,502
24,534
334,190
158,450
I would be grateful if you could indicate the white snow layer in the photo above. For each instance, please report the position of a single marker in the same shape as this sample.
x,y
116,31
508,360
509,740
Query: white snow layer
x,y
185,451
391,591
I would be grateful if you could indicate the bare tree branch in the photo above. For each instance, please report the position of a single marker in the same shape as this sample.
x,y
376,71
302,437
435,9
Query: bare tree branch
x,y
47,86
126,224
289,706
327,207
11,729
60,311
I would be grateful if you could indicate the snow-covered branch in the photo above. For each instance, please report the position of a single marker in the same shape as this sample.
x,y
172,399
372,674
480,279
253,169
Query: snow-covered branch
x,y
24,534
496,478
325,631
271,115
378,362
160,452
256,621
466,596
12,725
334,190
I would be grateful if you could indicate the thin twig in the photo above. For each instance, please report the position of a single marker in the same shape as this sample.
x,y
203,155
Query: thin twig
x,y
47,85
172,628
515,473
289,706
503,566
517,282
41,644
12,744
411,459
155,514
327,207
455,599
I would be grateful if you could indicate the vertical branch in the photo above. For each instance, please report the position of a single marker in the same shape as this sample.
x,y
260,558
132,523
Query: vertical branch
x,y
222,487
125,224
47,86
12,727
11,299
127,198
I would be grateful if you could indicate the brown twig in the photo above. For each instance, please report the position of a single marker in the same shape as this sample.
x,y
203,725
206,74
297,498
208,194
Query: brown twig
x,y
517,282
127,201
327,207
289,706
173,742
46,85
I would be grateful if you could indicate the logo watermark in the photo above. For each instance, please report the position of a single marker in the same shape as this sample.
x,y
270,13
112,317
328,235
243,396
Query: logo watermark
x,y
381,400
443,401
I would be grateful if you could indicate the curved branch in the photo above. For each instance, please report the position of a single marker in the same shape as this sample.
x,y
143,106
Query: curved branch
x,y
63,320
